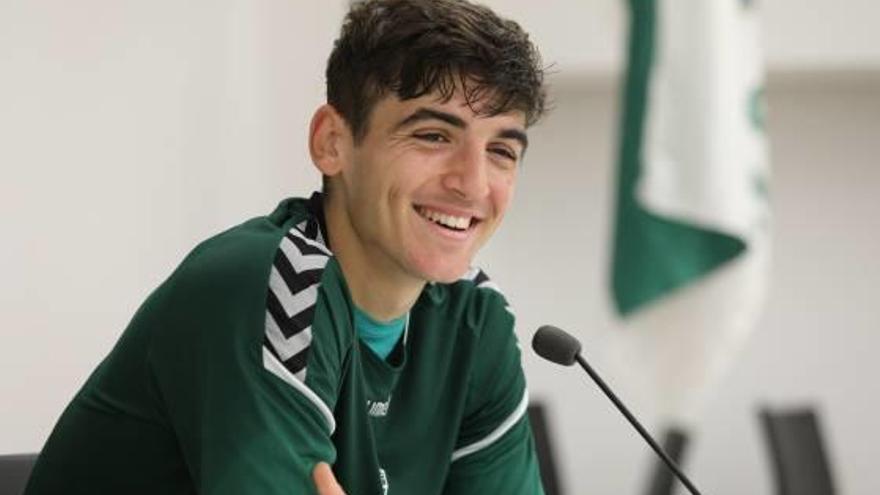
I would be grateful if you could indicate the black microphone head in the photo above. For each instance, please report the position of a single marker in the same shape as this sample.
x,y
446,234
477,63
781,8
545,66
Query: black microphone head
x,y
556,345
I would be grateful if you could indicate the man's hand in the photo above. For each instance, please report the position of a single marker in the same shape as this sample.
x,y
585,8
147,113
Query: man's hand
x,y
325,482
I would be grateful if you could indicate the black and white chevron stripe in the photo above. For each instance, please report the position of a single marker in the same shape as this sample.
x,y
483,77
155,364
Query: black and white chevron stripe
x,y
293,292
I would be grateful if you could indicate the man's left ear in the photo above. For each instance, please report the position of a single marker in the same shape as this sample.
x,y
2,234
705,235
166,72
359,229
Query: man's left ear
x,y
329,140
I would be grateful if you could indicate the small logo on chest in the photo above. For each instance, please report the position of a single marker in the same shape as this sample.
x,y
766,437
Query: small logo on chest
x,y
378,409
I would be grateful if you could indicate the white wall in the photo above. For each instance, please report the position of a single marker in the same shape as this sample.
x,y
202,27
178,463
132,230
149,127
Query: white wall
x,y
129,130
589,36
817,341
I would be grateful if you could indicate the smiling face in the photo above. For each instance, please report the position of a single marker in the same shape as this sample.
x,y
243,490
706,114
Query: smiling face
x,y
425,187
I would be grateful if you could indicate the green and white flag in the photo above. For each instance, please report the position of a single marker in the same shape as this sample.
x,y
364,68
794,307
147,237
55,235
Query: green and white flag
x,y
691,239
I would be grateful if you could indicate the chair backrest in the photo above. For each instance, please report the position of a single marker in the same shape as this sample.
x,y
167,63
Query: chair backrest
x,y
544,448
14,472
799,457
675,443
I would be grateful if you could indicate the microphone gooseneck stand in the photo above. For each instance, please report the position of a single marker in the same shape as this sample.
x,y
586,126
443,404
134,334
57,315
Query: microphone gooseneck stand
x,y
558,346
638,426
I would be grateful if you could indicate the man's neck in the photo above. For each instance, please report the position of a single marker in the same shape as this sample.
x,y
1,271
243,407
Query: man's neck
x,y
378,286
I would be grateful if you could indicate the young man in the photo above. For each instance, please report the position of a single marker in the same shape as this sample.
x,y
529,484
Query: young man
x,y
343,341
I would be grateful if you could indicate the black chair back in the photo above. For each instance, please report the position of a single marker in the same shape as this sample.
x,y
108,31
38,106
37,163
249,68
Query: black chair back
x,y
14,472
799,457
675,443
544,448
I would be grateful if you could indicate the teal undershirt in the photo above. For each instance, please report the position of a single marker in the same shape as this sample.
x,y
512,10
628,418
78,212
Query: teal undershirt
x,y
380,336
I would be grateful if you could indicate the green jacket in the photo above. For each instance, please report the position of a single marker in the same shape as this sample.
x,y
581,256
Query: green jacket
x,y
243,370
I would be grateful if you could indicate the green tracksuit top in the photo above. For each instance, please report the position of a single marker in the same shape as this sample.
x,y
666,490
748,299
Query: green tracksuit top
x,y
243,370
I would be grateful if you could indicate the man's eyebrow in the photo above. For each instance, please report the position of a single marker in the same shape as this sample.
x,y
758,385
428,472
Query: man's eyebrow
x,y
422,114
517,135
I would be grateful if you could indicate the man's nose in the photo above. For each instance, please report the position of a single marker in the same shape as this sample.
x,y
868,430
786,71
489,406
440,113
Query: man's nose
x,y
467,173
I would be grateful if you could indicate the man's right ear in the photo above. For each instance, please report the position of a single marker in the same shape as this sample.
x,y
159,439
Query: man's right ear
x,y
330,140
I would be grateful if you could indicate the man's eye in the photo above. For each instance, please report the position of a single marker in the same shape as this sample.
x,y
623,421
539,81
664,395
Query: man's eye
x,y
431,137
504,153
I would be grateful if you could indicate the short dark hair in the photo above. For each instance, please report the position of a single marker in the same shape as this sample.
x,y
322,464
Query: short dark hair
x,y
416,47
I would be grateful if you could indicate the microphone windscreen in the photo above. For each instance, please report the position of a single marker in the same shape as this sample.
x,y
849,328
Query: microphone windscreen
x,y
556,345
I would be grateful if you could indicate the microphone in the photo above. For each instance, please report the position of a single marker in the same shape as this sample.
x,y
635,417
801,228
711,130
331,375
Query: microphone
x,y
556,345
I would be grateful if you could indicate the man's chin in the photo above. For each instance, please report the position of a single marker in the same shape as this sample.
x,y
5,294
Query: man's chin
x,y
446,275
436,266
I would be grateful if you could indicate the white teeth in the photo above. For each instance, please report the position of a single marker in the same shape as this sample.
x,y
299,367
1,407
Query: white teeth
x,y
460,223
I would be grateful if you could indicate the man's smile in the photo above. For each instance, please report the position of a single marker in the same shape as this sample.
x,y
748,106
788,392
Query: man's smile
x,y
459,225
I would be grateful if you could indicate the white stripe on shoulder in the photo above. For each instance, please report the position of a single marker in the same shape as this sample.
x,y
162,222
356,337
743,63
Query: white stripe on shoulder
x,y
319,236
274,366
301,262
488,284
292,303
471,273
310,242
497,433
287,348
483,281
